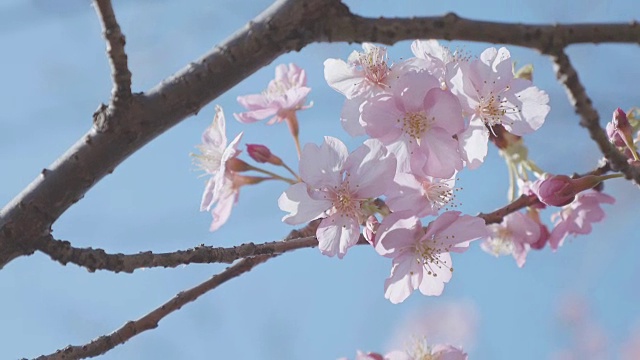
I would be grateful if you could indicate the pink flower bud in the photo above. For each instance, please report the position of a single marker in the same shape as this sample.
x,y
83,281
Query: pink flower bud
x,y
561,190
262,154
619,130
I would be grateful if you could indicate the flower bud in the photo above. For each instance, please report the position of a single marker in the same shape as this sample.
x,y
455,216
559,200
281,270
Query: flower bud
x,y
619,130
561,190
262,154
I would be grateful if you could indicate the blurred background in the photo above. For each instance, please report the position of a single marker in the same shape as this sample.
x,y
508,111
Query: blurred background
x,y
580,302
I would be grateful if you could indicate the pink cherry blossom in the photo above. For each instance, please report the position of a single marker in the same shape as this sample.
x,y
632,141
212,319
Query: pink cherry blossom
x,y
421,120
513,236
421,257
364,73
339,187
491,95
214,157
577,217
285,95
438,60
421,195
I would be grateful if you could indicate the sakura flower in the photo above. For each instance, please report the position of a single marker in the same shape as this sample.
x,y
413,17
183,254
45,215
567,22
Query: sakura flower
x,y
422,195
577,217
417,119
364,73
215,158
438,60
513,236
284,96
421,257
491,95
339,187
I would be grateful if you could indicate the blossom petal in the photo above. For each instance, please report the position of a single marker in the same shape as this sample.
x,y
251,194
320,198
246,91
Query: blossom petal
x,y
300,206
336,234
406,275
436,274
371,169
321,166
343,77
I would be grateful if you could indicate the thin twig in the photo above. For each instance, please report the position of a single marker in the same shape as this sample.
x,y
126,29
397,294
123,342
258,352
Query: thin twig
x,y
120,74
98,259
589,117
150,321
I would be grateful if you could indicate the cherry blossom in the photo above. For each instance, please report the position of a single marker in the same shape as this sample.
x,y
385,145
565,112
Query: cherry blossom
x,y
284,95
339,187
421,195
421,120
438,60
491,95
421,257
513,236
577,217
364,73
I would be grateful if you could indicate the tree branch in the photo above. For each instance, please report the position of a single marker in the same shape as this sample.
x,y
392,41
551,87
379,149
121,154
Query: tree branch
x,y
120,74
285,26
590,119
150,321
98,259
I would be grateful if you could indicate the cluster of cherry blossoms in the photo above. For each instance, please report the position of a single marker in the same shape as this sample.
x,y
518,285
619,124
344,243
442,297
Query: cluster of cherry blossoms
x,y
425,119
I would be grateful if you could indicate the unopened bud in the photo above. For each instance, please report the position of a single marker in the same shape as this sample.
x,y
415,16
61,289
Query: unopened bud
x,y
619,130
561,190
525,72
262,154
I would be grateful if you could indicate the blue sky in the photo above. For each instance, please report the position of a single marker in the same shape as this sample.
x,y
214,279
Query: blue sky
x,y
301,305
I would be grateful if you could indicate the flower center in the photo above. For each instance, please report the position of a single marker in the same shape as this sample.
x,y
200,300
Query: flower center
x,y
374,64
428,254
494,108
500,243
439,194
344,202
209,161
415,124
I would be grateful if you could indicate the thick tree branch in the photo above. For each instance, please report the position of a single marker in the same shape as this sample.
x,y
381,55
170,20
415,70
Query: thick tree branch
x,y
590,119
287,25
120,73
545,38
150,321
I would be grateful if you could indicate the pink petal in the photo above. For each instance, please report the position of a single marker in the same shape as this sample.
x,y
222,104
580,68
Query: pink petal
x,y
371,169
222,211
446,109
321,166
336,234
300,206
379,117
350,116
474,143
343,78
406,275
443,159
397,232
432,283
